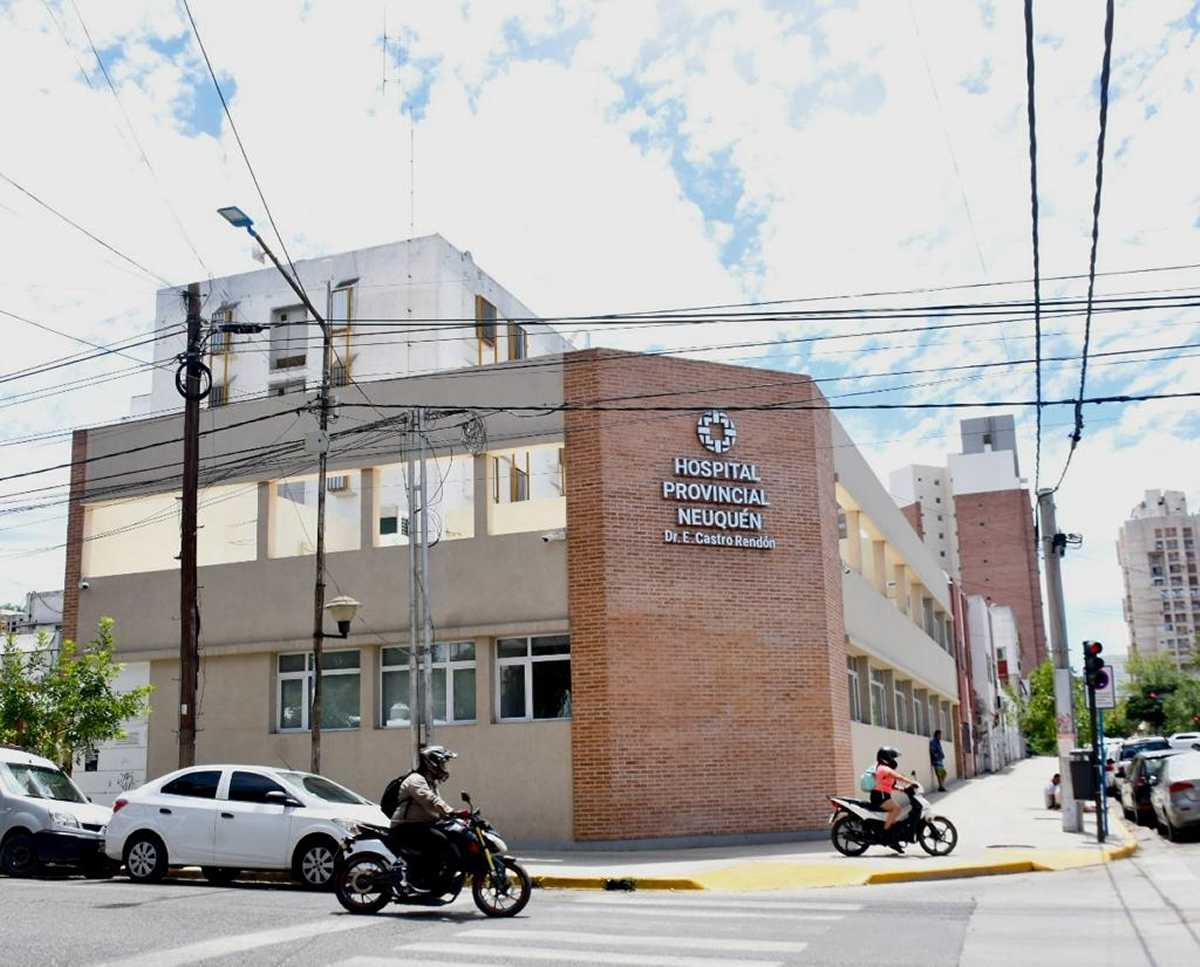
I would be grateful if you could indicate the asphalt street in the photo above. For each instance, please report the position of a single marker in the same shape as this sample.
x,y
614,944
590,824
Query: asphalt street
x,y
1142,911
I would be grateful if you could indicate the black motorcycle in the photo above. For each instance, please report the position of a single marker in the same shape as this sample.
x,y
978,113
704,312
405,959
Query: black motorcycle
x,y
370,874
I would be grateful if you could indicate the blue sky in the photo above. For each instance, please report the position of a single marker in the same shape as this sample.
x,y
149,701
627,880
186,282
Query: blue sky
x,y
627,156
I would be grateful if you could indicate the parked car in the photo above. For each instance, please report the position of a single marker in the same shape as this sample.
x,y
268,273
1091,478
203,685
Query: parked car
x,y
1175,795
227,818
1185,740
45,820
1135,789
1129,749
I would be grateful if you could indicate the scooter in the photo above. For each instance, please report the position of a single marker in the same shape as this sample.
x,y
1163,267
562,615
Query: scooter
x,y
370,875
855,826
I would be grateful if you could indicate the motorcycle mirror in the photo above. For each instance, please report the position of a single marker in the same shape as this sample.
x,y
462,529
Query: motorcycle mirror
x,y
466,798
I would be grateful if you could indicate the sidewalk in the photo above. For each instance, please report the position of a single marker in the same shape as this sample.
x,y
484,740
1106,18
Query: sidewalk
x,y
1002,828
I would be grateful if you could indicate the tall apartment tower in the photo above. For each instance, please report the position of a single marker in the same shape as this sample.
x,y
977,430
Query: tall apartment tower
x,y
976,515
1157,551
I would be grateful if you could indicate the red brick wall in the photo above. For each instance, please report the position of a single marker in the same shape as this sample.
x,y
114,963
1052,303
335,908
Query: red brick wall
x,y
912,514
709,684
73,572
998,559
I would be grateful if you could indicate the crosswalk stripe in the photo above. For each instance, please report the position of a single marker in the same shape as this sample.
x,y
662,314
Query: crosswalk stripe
x,y
638,940
705,904
406,962
520,953
240,943
635,909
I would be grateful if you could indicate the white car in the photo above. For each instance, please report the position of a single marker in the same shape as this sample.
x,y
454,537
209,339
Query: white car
x,y
1185,740
226,818
44,819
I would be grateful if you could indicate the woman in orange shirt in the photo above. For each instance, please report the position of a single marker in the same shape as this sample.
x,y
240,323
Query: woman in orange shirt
x,y
886,779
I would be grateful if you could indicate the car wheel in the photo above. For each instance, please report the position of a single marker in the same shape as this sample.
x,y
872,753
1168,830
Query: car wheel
x,y
219,875
315,862
145,858
18,857
1172,832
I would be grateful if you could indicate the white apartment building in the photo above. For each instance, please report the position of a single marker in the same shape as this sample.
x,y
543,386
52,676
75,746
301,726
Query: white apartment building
x,y
401,309
925,495
995,663
1156,548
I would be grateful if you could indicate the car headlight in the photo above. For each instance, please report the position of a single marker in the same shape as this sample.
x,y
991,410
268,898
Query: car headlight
x,y
349,825
65,820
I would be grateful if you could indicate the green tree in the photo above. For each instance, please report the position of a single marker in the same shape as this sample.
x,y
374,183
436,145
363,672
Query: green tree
x,y
1160,695
60,704
1037,714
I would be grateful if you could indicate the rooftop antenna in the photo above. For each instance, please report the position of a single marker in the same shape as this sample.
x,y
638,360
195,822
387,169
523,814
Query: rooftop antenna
x,y
412,174
383,52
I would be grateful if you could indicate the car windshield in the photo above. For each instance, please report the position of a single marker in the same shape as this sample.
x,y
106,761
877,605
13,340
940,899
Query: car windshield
x,y
1151,745
40,782
322,788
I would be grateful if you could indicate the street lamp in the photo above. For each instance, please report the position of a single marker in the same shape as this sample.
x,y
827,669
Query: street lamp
x,y
341,608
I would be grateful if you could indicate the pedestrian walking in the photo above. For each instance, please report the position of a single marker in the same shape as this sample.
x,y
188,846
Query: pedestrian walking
x,y
937,758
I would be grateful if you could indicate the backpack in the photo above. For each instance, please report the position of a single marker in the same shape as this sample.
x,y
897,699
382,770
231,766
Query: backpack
x,y
391,795
866,782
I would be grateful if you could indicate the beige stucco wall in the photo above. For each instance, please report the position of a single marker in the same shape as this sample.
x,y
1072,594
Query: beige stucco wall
x,y
518,773
914,752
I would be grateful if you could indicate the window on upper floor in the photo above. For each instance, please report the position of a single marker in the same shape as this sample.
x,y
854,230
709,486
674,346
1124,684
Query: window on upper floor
x,y
485,330
879,698
527,489
854,685
518,342
289,338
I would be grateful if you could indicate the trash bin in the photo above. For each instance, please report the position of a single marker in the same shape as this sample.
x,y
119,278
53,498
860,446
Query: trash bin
x,y
1083,774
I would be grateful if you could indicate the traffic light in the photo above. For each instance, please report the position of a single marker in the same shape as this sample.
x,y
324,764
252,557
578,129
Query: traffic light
x,y
1093,666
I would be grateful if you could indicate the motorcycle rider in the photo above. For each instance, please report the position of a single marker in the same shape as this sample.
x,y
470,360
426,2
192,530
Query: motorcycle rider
x,y
886,779
419,807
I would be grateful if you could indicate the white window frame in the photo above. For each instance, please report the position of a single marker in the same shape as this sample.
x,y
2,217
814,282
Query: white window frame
x,y
307,676
855,690
901,711
881,685
450,666
528,661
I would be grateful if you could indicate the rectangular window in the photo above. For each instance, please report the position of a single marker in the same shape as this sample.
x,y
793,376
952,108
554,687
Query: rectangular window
x,y
340,677
901,716
533,679
287,386
878,698
485,330
219,396
453,674
289,338
518,342
855,695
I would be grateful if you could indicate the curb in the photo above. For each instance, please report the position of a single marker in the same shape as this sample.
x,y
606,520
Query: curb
x,y
614,883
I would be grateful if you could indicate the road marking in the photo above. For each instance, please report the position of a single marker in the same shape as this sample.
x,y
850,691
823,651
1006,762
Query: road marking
x,y
697,903
639,910
406,962
521,953
224,946
641,940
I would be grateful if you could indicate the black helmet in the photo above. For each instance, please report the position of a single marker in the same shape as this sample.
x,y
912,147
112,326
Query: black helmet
x,y
433,759
888,755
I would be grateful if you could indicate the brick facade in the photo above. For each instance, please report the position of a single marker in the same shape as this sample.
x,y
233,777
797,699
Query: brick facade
x,y
912,514
998,559
708,683
73,571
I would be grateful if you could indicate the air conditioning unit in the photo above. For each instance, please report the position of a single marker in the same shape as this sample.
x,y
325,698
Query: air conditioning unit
x,y
339,483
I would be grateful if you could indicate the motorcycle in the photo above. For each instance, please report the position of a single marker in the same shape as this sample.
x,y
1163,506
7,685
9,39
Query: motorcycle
x,y
370,875
855,826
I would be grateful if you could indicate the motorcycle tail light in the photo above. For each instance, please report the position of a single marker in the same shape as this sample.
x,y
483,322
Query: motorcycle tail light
x,y
1180,787
119,805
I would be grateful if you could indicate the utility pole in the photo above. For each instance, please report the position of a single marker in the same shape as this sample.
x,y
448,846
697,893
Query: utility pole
x,y
419,672
426,598
189,648
323,401
1053,545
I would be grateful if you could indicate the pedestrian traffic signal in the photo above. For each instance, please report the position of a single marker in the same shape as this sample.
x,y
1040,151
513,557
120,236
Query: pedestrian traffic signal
x,y
1093,666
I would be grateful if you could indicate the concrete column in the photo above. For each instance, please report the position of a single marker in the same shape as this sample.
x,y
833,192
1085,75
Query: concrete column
x,y
483,496
879,559
854,540
916,601
900,576
263,543
369,507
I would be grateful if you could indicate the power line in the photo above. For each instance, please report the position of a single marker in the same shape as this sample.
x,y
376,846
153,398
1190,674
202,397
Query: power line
x,y
245,157
66,335
75,225
137,142
1105,71
1033,193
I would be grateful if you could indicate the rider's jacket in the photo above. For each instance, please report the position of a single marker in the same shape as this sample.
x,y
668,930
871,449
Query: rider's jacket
x,y
419,802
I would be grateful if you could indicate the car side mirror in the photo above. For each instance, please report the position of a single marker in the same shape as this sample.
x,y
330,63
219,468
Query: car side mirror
x,y
279,798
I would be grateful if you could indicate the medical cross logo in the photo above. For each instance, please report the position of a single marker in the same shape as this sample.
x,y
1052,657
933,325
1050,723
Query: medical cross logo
x,y
716,431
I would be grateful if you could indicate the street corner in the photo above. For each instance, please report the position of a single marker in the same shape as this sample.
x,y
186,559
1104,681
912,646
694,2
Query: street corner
x,y
784,876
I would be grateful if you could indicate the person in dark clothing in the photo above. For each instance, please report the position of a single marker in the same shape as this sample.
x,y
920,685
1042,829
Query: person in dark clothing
x,y
418,808
937,758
